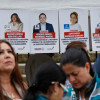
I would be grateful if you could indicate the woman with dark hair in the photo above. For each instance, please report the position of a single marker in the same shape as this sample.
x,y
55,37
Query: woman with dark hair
x,y
15,24
74,26
12,85
75,44
48,83
86,84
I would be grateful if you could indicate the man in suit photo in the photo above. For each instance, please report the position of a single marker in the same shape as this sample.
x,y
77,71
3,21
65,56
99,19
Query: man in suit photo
x,y
43,25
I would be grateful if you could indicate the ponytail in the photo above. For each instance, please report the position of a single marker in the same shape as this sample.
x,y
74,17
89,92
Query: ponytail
x,y
30,95
91,71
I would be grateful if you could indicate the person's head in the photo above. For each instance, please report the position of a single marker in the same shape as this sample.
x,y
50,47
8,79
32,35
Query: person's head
x,y
75,44
9,65
48,79
74,18
7,57
76,64
15,18
42,18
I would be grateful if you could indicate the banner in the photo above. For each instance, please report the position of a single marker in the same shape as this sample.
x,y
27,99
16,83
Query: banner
x,y
44,32
95,29
14,27
73,27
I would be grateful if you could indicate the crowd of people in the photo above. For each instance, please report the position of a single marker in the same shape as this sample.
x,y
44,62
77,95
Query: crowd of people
x,y
47,79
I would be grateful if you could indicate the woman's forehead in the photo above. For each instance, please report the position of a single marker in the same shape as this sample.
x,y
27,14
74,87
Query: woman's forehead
x,y
70,66
4,45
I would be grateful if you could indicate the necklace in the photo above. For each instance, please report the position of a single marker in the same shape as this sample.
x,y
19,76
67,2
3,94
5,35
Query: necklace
x,y
12,96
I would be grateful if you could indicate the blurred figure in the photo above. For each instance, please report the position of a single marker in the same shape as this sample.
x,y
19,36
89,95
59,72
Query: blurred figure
x,y
12,85
15,24
74,26
43,25
48,83
77,66
96,65
80,44
33,62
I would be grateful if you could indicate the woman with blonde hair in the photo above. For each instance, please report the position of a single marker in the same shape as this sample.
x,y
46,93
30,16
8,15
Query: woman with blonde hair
x,y
74,26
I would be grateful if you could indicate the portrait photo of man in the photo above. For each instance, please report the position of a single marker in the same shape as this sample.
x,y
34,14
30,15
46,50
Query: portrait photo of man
x,y
43,25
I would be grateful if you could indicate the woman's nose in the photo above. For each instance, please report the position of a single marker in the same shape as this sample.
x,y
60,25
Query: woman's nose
x,y
71,79
7,55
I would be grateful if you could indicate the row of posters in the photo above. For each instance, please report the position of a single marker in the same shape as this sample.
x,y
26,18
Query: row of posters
x,y
49,31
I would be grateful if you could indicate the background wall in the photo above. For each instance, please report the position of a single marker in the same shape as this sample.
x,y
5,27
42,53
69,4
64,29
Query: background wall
x,y
47,4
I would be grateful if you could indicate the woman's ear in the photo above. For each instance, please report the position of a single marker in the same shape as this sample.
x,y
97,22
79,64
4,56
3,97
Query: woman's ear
x,y
56,88
87,66
55,91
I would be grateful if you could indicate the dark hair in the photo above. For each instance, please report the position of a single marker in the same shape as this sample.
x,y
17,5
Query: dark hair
x,y
15,75
42,14
75,44
76,56
45,74
17,17
76,14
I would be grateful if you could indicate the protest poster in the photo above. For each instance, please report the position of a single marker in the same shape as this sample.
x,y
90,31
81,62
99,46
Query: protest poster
x,y
73,27
14,27
95,29
44,29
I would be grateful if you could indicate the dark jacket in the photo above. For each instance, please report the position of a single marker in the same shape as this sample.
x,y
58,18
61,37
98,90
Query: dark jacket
x,y
96,65
37,28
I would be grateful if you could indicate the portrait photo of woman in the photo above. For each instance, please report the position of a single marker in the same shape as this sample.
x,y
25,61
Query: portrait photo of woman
x,y
74,26
15,24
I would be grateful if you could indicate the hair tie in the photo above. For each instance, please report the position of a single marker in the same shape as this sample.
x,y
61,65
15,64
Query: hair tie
x,y
35,84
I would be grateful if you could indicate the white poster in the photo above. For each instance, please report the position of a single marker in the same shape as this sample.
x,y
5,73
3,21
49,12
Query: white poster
x,y
95,29
14,27
73,27
44,32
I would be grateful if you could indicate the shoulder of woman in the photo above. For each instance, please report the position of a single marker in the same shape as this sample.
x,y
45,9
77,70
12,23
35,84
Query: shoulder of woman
x,y
9,22
25,85
20,23
78,25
